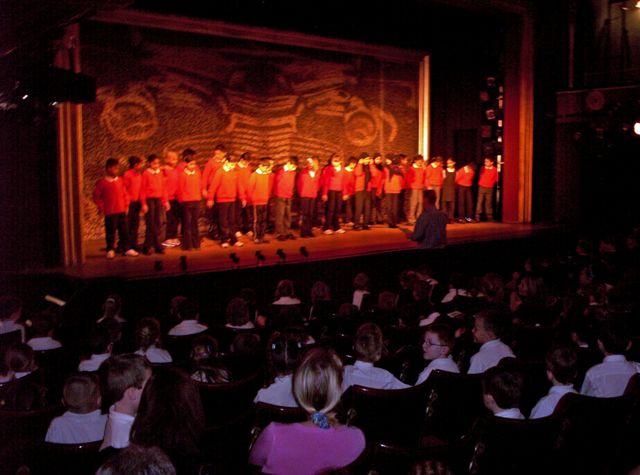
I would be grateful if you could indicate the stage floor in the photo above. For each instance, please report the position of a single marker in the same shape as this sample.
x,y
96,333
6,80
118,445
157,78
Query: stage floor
x,y
213,258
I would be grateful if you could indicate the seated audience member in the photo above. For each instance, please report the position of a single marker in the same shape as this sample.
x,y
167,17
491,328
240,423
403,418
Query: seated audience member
x,y
437,342
246,354
414,312
238,317
147,337
42,334
561,371
283,353
610,378
320,444
360,290
112,308
286,294
124,378
386,311
501,392
137,460
10,314
249,296
188,315
101,346
205,368
171,417
22,390
21,359
321,304
83,422
488,327
368,345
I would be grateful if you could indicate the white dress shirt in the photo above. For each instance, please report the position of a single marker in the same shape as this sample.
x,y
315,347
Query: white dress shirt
x,y
609,378
287,301
365,374
444,364
488,356
187,327
73,428
93,363
358,295
44,343
117,430
279,393
8,326
547,404
246,326
155,355
513,413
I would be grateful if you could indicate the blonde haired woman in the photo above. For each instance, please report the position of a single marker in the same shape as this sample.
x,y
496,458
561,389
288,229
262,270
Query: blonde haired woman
x,y
321,443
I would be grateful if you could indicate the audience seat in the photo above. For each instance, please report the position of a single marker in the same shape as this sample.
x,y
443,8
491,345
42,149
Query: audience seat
x,y
180,346
392,416
70,459
55,365
224,402
267,413
10,338
531,342
454,402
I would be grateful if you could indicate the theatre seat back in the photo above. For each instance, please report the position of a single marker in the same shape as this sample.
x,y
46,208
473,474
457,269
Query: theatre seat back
x,y
223,402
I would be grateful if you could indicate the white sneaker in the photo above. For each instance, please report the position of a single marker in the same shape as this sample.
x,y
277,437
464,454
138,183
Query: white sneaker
x,y
225,244
350,223
239,244
132,253
175,242
111,254
168,243
238,234
340,231
328,231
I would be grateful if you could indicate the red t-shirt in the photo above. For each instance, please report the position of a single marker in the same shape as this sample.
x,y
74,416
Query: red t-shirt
x,y
415,178
433,176
153,186
171,182
132,182
308,185
225,186
488,177
465,177
110,196
332,180
284,183
393,184
259,188
189,185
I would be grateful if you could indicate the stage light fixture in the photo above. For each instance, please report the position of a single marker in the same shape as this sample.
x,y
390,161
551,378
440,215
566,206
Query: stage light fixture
x,y
234,258
636,127
304,251
638,4
260,257
280,253
183,263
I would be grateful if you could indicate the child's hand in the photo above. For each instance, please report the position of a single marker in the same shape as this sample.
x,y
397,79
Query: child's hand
x,y
167,206
144,209
325,198
345,197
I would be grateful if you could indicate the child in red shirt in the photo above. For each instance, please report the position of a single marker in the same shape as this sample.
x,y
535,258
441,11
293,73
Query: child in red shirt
x,y
225,188
283,188
258,193
377,184
415,183
110,196
189,195
132,180
243,213
170,172
153,195
349,190
333,184
211,167
486,183
363,187
393,185
434,176
464,181
308,185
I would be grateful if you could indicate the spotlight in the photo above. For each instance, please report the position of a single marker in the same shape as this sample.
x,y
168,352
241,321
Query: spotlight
x,y
25,97
638,4
304,252
157,265
280,253
636,126
183,263
234,258
260,257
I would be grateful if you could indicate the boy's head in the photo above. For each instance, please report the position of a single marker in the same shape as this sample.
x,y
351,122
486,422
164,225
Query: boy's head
x,y
41,325
451,163
501,389
562,365
488,162
489,325
264,164
335,160
437,341
351,163
368,343
377,158
20,358
100,340
284,350
364,158
230,162
237,312
188,154
170,158
135,163
81,393
112,167
417,161
291,164
220,152
613,338
10,308
153,161
188,310
244,160
124,378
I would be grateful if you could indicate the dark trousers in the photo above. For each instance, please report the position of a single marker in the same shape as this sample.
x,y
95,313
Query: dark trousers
x,y
449,208
190,231
214,220
173,219
153,221
227,221
393,201
334,203
465,202
112,223
377,214
362,208
243,217
133,223
283,216
306,216
485,202
348,210
259,221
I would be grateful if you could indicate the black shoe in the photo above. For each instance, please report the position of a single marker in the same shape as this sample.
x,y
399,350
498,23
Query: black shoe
x,y
365,228
393,226
160,251
282,238
291,236
146,251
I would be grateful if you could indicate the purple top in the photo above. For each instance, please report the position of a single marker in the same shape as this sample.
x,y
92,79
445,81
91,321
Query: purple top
x,y
303,449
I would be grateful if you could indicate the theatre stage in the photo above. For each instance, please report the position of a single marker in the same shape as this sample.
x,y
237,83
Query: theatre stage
x,y
213,258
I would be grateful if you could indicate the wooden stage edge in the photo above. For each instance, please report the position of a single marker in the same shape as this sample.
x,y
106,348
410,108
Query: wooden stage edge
x,y
213,258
